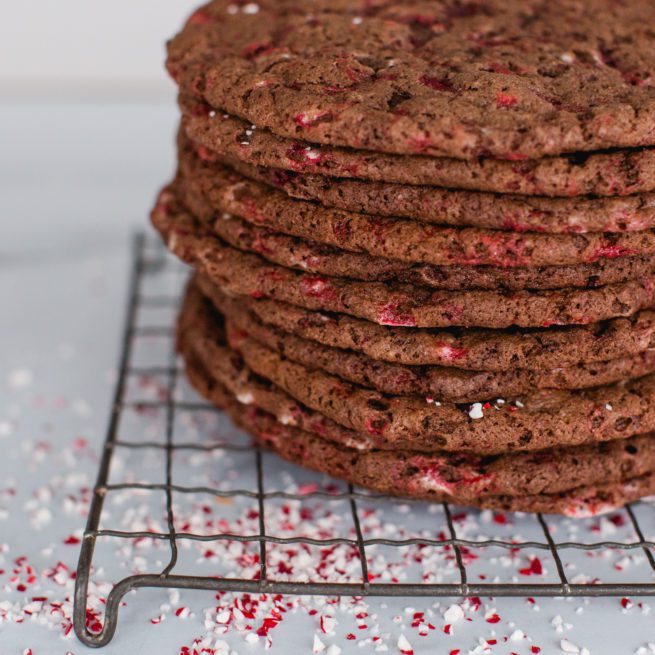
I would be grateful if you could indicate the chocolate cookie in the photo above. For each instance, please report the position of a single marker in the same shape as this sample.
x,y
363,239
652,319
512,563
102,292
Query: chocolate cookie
x,y
462,479
471,349
538,421
460,208
542,420
513,80
389,304
439,383
313,257
578,502
609,173
207,189
457,478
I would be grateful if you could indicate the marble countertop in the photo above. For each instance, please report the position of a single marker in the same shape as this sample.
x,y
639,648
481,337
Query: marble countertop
x,y
76,181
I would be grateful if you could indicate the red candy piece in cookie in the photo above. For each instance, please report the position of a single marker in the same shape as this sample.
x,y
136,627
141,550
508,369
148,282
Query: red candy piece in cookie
x,y
391,314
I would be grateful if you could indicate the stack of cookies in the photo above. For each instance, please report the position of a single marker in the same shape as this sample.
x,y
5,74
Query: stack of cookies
x,y
422,235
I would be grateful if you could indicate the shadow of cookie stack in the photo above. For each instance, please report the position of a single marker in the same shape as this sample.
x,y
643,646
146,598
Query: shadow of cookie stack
x,y
422,235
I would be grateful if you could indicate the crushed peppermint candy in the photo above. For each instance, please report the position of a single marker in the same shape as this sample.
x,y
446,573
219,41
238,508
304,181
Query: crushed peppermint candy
x,y
475,411
404,646
245,398
568,647
453,614
20,378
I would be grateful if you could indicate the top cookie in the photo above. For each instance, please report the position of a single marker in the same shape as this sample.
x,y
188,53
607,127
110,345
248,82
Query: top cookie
x,y
508,79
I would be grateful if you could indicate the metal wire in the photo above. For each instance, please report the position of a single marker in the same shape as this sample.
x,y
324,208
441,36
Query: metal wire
x,y
148,260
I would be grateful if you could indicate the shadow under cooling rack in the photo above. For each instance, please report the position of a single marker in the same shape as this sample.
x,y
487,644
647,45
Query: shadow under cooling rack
x,y
204,508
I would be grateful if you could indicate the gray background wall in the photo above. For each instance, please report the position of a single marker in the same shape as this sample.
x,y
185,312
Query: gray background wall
x,y
86,47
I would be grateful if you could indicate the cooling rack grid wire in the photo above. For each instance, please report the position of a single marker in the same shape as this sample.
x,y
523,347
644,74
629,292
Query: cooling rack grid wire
x,y
376,545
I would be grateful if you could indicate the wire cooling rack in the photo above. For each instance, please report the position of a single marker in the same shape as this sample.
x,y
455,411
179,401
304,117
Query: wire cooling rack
x,y
392,547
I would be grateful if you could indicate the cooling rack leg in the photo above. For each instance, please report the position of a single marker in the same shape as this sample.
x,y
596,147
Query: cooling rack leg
x,y
80,609
102,638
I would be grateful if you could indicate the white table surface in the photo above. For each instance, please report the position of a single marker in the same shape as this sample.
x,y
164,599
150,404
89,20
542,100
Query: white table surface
x,y
74,182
